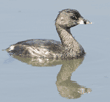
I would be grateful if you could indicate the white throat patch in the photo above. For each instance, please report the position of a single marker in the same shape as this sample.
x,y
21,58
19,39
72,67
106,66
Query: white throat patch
x,y
81,22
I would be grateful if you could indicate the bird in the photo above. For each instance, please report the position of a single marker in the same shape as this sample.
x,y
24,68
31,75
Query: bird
x,y
46,48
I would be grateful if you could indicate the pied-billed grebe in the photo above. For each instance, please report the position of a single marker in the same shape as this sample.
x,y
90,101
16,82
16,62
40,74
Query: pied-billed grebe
x,y
67,48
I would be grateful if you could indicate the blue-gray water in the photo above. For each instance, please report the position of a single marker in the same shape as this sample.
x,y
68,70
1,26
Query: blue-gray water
x,y
31,19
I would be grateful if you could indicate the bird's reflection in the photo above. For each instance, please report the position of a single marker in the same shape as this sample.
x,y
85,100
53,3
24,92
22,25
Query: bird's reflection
x,y
66,87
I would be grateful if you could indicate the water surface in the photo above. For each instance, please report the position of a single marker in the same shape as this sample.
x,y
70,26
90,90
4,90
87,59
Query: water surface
x,y
59,81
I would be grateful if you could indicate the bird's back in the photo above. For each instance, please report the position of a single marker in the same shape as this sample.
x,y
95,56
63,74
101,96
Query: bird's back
x,y
37,48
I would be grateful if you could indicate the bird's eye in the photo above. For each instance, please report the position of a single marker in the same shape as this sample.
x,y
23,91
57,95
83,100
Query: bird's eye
x,y
73,17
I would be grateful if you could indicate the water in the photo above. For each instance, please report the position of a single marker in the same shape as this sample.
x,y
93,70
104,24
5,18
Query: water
x,y
28,19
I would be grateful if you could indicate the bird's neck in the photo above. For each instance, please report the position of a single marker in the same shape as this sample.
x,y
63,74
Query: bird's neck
x,y
69,42
66,37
